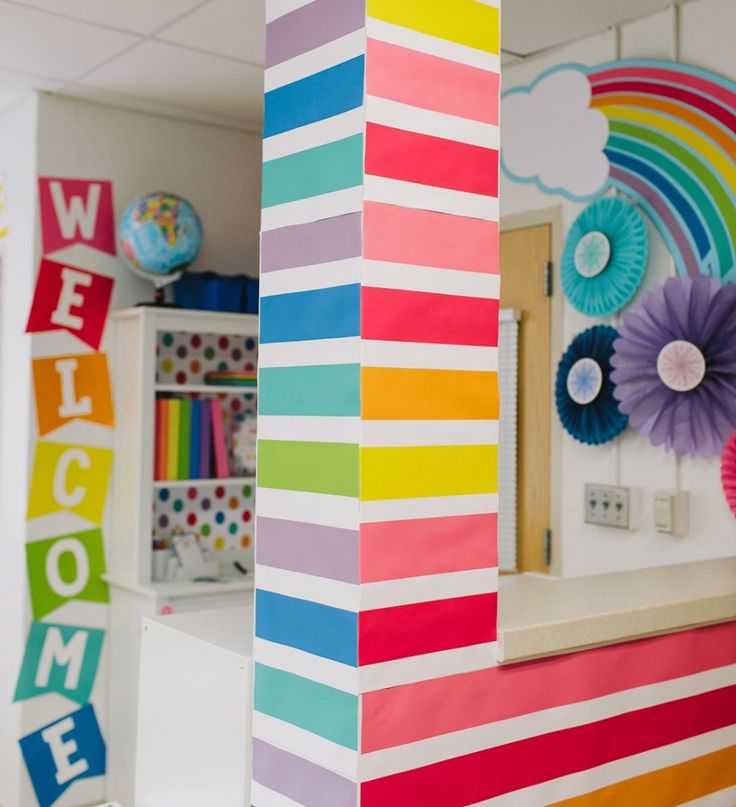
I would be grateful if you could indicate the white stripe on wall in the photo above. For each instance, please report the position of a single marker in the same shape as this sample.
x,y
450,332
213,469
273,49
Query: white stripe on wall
x,y
315,134
429,507
312,508
410,277
316,208
379,353
310,352
315,276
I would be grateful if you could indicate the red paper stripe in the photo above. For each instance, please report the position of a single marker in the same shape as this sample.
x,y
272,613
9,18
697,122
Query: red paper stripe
x,y
486,774
440,319
386,634
427,160
413,712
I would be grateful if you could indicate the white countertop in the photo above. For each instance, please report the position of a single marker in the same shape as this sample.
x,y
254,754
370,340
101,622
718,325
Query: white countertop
x,y
540,615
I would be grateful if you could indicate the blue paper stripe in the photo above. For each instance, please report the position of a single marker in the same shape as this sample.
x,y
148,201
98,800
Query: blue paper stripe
x,y
317,629
322,95
330,313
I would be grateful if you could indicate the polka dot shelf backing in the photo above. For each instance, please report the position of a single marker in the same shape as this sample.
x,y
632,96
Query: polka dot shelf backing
x,y
185,358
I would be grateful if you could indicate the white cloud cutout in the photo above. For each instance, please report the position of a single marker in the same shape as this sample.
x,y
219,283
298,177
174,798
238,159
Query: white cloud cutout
x,y
552,137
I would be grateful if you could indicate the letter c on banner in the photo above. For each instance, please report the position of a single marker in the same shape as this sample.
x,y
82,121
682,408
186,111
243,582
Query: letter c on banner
x,y
63,496
63,750
81,576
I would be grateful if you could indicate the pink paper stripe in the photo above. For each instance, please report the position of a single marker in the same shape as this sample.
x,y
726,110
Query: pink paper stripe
x,y
420,237
429,82
413,712
392,550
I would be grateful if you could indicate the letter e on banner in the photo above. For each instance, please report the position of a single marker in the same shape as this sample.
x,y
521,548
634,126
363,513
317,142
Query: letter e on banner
x,y
76,211
71,299
62,752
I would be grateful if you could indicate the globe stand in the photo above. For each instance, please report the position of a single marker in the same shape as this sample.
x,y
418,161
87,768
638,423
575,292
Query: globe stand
x,y
159,285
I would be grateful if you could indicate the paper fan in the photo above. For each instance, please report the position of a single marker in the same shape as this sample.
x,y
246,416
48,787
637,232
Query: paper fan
x,y
605,256
584,390
675,365
728,472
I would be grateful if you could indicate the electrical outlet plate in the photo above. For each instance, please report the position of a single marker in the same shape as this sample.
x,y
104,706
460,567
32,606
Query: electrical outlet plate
x,y
611,506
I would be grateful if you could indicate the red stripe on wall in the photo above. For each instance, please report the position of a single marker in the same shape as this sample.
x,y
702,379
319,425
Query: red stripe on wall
x,y
386,634
426,160
406,714
441,319
507,768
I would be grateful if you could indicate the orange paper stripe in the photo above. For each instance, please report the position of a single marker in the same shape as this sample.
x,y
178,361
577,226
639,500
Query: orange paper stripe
x,y
407,394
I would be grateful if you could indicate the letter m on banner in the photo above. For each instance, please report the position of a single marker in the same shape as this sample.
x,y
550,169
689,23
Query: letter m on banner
x,y
76,211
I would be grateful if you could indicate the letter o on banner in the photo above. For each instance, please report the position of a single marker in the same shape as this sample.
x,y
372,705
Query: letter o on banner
x,y
81,575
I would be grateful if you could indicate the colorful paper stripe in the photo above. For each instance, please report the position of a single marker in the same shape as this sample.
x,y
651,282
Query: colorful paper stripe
x,y
391,393
329,313
322,710
318,242
387,634
393,550
329,390
316,171
424,238
411,316
308,548
466,779
314,98
427,160
307,466
318,629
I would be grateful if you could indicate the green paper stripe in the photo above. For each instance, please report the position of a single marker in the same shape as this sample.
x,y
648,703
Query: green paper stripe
x,y
310,467
325,390
319,709
324,169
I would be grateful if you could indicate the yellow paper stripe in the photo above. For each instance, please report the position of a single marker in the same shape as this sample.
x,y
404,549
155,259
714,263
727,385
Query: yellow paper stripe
x,y
463,21
413,472
674,785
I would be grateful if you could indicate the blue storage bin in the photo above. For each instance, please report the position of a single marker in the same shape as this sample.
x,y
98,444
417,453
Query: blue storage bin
x,y
208,291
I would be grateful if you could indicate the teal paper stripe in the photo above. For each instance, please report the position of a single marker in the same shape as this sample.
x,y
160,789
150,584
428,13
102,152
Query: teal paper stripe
x,y
331,390
323,169
319,709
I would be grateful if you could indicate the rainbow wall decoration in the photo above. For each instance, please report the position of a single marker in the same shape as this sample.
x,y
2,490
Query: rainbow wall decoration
x,y
671,144
376,680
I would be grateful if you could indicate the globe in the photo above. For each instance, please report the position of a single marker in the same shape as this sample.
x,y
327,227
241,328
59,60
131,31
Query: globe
x,y
160,236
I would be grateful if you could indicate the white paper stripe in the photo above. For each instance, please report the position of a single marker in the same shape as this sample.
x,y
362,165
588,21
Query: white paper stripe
x,y
306,745
620,770
312,508
333,593
431,507
459,743
315,208
315,134
426,197
317,429
407,38
429,122
428,432
317,276
314,61
261,796
277,8
377,353
722,798
383,274
309,352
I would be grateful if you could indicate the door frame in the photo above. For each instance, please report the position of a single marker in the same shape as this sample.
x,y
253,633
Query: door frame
x,y
553,217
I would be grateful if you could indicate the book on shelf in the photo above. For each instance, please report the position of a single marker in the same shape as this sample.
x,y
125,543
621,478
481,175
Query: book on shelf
x,y
219,440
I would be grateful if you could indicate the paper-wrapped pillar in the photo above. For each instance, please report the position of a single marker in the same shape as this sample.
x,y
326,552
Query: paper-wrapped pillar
x,y
378,419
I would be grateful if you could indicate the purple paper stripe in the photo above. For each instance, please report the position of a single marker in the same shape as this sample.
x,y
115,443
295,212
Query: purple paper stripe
x,y
302,781
311,26
308,548
317,242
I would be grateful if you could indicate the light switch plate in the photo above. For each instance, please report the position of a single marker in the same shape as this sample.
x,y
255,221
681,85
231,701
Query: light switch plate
x,y
611,506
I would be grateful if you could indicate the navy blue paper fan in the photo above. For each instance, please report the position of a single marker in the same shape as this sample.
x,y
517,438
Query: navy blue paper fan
x,y
605,256
584,390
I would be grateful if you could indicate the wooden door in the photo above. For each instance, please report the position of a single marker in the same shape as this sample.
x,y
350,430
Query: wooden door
x,y
525,254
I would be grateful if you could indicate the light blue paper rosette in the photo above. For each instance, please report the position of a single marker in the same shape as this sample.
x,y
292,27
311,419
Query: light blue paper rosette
x,y
605,257
584,390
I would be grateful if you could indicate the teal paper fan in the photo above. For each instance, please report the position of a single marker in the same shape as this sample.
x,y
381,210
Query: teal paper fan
x,y
605,257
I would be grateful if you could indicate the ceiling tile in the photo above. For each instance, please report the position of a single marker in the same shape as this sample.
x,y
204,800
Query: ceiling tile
x,y
187,78
14,87
41,44
235,28
138,16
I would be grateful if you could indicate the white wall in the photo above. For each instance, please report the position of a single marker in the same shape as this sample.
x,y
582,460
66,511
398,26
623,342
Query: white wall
x,y
706,40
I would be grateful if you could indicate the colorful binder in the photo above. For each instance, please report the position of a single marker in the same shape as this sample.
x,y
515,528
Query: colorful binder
x,y
172,453
185,437
194,440
218,439
162,436
205,442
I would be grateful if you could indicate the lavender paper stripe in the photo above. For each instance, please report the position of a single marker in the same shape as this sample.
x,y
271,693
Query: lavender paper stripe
x,y
302,781
317,242
308,548
311,26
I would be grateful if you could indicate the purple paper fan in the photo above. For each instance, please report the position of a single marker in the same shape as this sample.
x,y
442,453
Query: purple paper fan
x,y
675,365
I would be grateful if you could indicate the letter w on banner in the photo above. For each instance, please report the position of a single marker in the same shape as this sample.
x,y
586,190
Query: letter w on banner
x,y
76,211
